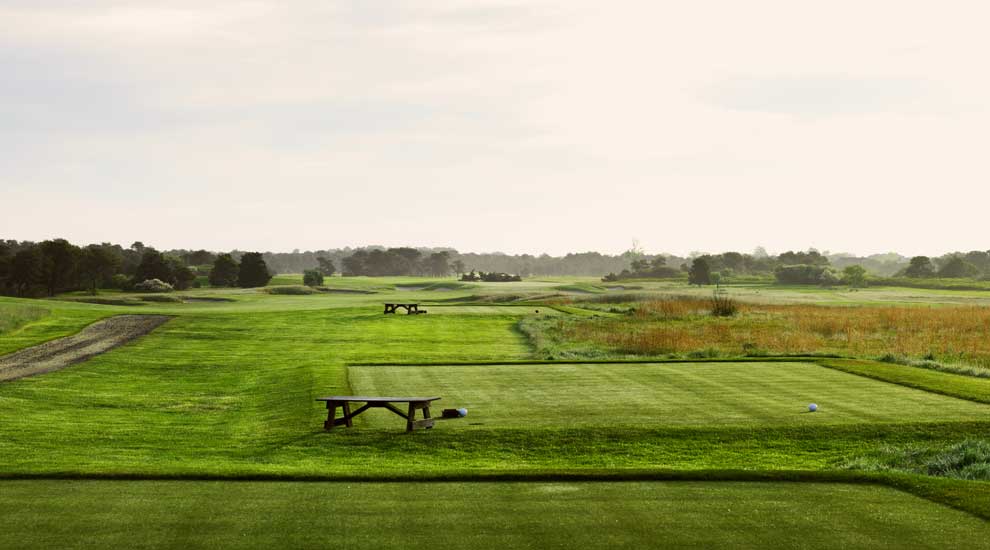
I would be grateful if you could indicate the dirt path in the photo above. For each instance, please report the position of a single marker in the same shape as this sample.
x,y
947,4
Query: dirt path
x,y
100,337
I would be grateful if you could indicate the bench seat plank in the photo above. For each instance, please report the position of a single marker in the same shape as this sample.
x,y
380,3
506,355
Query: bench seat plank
x,y
365,399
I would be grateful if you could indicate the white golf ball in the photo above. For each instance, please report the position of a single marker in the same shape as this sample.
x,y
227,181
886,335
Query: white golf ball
x,y
812,407
462,412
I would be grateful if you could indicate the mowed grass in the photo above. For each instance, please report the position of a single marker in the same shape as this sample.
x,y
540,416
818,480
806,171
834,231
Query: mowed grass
x,y
208,391
671,394
438,309
136,514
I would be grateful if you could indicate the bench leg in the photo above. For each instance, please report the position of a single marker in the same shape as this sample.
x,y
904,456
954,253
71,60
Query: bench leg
x,y
331,415
426,414
347,414
412,423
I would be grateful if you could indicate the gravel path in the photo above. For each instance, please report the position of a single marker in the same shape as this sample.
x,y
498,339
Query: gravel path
x,y
100,337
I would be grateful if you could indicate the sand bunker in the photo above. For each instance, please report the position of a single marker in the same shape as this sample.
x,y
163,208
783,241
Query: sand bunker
x,y
100,337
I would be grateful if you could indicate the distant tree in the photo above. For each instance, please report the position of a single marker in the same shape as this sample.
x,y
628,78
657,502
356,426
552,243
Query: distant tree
x,y
380,263
153,266
828,278
97,265
25,270
253,272
312,277
122,282
59,260
404,261
326,267
6,257
224,272
355,264
801,274
920,267
182,275
854,276
437,264
811,257
957,268
199,257
700,272
734,261
980,259
640,265
458,267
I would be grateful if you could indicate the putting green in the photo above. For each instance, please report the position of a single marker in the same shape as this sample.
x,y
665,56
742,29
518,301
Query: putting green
x,y
657,394
190,514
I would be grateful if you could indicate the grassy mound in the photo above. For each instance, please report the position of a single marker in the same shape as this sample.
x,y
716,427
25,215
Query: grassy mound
x,y
441,286
161,298
115,301
291,290
584,288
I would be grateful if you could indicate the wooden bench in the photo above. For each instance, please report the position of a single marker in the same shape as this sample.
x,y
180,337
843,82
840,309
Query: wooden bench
x,y
344,402
411,309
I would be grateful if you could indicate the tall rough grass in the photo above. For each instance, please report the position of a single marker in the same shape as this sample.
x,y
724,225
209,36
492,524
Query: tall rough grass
x,y
13,316
968,459
954,335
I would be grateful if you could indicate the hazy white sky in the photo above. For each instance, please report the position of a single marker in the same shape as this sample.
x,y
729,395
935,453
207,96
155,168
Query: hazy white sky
x,y
521,126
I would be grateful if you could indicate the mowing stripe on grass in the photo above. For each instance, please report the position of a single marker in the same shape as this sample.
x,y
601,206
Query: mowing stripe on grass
x,y
943,383
557,514
686,394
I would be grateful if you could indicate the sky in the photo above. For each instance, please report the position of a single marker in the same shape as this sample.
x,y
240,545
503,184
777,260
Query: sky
x,y
497,125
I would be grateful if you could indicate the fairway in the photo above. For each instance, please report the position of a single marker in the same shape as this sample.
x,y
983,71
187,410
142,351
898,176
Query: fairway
x,y
657,394
110,514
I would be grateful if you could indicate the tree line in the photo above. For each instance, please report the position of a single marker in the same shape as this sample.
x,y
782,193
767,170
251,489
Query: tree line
x,y
803,267
400,261
54,266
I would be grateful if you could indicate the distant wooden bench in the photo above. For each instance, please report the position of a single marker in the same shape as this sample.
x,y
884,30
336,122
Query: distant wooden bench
x,y
411,309
344,402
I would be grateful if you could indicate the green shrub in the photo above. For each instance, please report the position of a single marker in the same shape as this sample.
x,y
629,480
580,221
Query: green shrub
x,y
312,278
121,281
801,274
